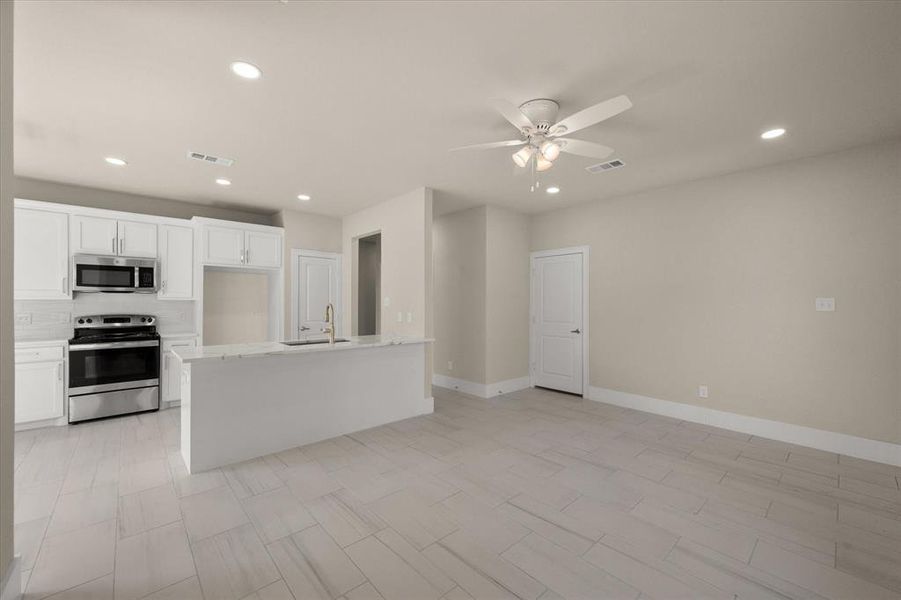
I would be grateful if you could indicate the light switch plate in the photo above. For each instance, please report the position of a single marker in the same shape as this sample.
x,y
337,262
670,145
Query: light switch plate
x,y
825,304
702,391
409,317
386,301
23,318
400,317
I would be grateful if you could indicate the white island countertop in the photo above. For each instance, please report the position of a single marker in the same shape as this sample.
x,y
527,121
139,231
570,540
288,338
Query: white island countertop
x,y
258,349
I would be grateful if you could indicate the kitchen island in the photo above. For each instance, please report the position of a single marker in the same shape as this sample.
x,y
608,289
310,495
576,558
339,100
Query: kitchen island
x,y
243,401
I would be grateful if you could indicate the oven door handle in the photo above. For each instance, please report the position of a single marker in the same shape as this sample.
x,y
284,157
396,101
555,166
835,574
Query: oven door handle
x,y
113,345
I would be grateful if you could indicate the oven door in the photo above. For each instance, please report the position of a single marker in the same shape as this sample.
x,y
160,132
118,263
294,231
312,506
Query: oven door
x,y
109,366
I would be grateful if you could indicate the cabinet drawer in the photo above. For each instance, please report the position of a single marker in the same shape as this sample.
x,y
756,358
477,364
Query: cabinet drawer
x,y
168,345
39,354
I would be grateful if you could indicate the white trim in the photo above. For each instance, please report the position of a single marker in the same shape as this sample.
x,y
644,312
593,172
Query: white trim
x,y
585,251
296,254
90,211
830,441
11,584
482,390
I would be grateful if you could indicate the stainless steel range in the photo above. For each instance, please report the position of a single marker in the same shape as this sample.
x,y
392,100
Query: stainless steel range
x,y
114,366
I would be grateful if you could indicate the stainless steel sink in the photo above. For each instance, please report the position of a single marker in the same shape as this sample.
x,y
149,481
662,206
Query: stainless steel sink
x,y
311,342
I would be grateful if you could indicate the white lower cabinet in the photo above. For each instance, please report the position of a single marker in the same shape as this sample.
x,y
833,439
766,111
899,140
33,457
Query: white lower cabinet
x,y
40,382
170,386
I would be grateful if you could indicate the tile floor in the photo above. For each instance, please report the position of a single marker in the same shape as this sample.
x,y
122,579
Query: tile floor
x,y
529,495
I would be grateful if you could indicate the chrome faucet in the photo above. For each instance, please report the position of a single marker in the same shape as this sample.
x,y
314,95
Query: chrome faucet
x,y
330,323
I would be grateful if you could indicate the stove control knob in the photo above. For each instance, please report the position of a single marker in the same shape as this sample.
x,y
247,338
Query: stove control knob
x,y
143,319
90,320
150,319
80,321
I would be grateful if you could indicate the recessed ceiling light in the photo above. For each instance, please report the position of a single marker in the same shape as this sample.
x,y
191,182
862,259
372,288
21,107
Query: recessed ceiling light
x,y
246,70
553,190
223,181
303,197
115,161
773,133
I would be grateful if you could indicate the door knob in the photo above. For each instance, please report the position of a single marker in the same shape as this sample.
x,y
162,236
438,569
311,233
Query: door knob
x,y
575,331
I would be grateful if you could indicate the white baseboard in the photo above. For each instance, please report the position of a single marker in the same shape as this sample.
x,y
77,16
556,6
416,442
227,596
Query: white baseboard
x,y
482,390
829,441
11,584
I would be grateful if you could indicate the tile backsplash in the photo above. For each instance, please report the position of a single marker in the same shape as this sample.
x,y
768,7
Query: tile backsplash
x,y
53,319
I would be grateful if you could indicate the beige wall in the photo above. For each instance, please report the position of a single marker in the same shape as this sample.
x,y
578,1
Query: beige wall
x,y
459,251
304,231
50,191
481,258
405,223
714,282
7,387
235,307
507,300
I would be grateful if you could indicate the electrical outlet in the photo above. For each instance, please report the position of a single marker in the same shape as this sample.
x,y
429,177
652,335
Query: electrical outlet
x,y
450,365
400,317
825,304
409,317
386,301
23,318
702,391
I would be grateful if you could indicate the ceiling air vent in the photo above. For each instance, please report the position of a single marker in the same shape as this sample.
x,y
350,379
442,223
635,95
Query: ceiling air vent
x,y
209,158
605,166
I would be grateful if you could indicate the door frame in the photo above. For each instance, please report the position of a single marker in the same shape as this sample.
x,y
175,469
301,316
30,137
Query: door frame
x,y
296,254
585,251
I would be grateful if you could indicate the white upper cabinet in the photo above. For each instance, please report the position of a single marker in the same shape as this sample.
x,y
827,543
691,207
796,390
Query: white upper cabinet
x,y
262,249
176,246
41,255
253,246
223,245
137,239
94,235
100,235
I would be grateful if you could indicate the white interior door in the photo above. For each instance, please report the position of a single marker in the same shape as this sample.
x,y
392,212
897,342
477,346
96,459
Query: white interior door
x,y
318,279
557,322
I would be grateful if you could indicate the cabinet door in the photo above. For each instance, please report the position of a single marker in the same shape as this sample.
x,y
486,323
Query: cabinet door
x,y
94,235
39,391
137,239
41,254
176,247
171,388
263,249
223,246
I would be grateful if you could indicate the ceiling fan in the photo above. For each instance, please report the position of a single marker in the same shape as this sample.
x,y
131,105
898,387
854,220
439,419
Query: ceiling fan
x,y
542,140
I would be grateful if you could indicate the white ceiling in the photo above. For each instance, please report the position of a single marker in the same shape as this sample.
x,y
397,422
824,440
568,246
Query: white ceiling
x,y
360,101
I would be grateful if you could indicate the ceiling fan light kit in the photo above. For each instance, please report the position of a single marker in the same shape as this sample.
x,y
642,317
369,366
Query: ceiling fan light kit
x,y
537,122
522,156
550,150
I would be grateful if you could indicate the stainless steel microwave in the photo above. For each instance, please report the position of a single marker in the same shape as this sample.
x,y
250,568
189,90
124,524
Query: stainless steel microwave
x,y
92,273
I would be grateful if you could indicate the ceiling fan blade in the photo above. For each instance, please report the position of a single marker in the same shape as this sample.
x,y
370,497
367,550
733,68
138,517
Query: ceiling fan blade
x,y
512,113
591,115
583,148
490,145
